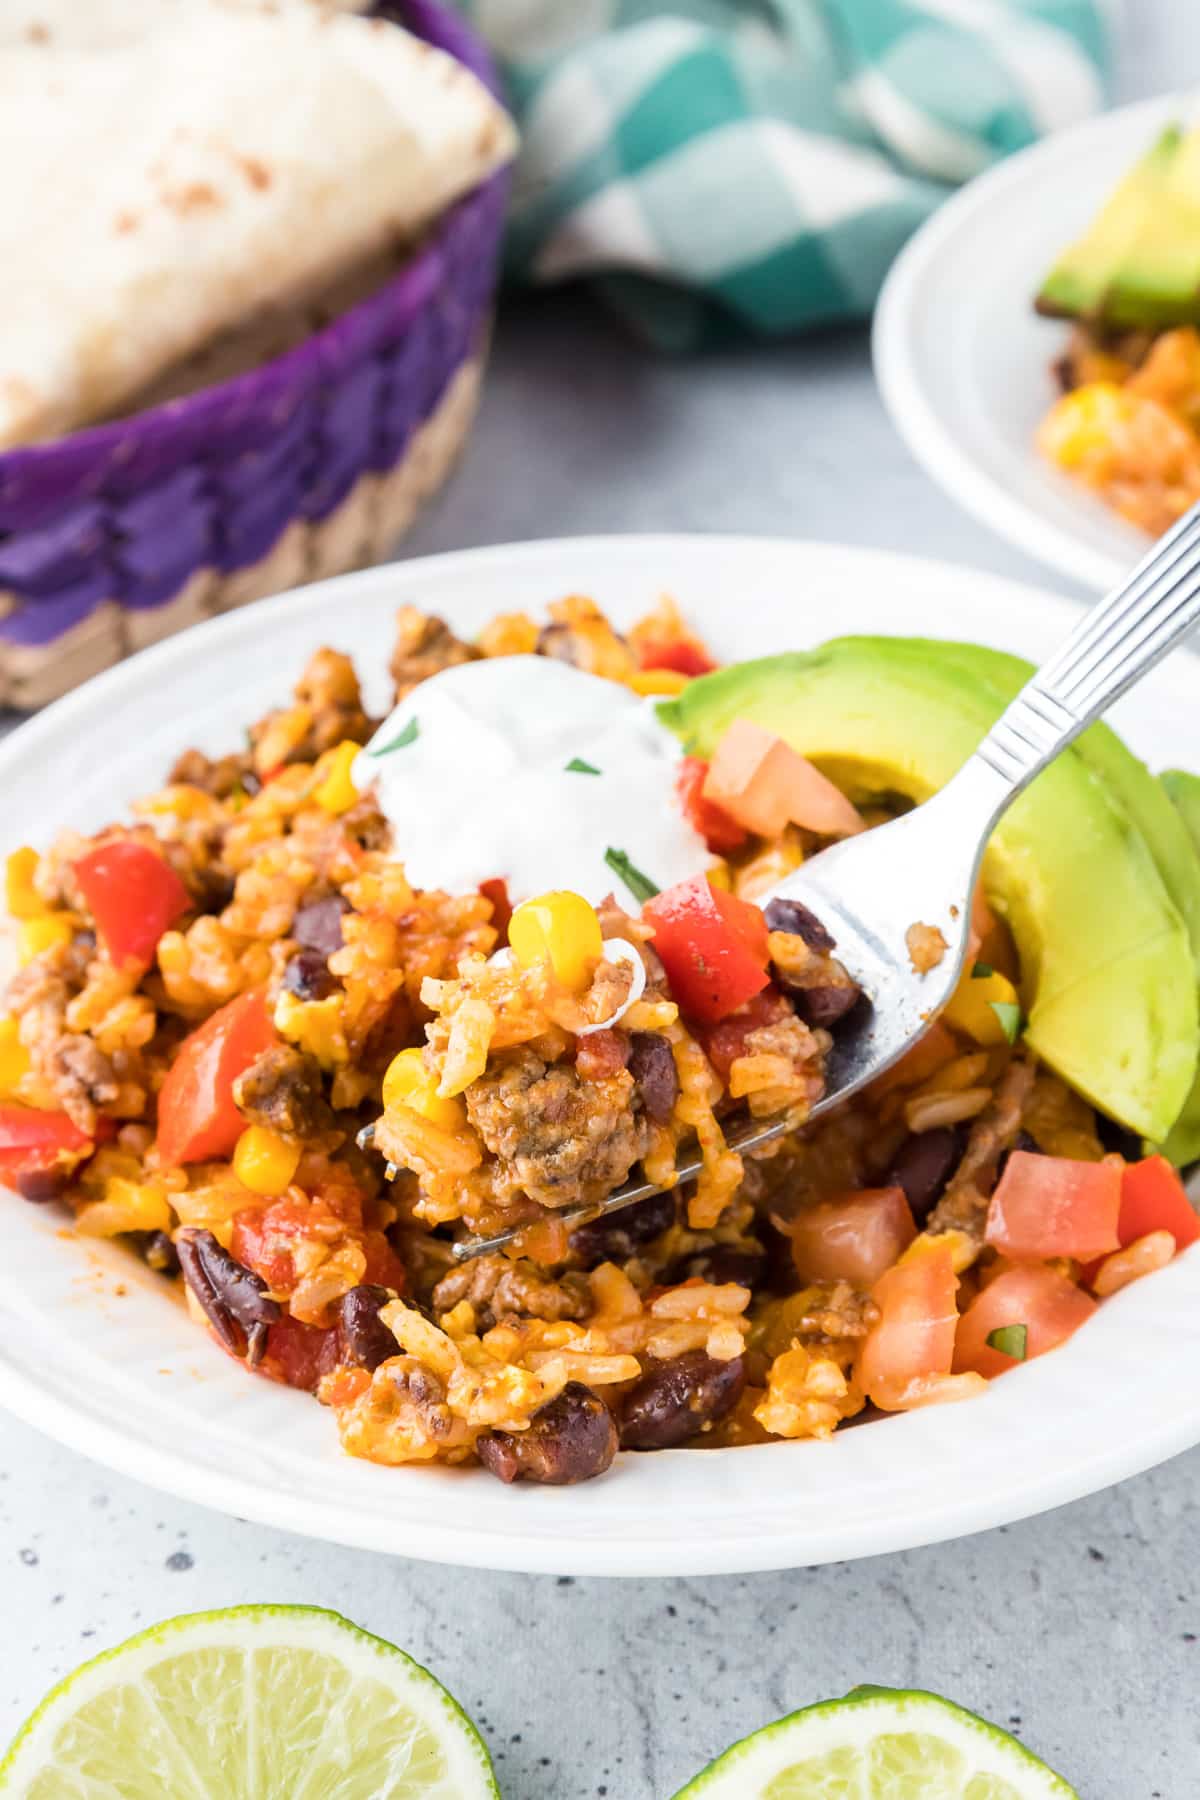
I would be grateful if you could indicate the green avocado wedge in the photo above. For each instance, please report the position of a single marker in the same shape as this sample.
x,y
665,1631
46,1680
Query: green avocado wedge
x,y
1108,980
1182,1146
1082,282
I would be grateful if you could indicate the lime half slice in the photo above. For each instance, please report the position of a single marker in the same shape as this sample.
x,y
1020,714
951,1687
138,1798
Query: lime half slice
x,y
879,1744
250,1704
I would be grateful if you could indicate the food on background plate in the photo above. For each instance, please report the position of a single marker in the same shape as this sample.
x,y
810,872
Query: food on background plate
x,y
511,931
200,173
879,1744
1128,422
259,1700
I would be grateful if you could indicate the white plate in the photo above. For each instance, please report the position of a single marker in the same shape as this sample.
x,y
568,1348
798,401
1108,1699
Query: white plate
x,y
94,1349
963,361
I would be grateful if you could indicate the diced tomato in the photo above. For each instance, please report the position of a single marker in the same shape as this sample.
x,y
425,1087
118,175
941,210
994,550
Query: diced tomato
x,y
725,1041
854,1237
684,657
384,1268
299,1355
496,890
721,833
1041,1299
1048,1206
32,1140
265,1237
197,1119
713,946
345,1386
1153,1198
133,894
911,1345
764,784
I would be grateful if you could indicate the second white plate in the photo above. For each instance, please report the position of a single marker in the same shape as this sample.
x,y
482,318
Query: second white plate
x,y
964,362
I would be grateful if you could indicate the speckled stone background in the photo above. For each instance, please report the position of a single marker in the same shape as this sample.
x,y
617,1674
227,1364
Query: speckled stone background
x,y
1079,1629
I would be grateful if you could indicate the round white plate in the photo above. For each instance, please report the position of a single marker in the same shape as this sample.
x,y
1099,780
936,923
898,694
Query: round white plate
x,y
96,1350
963,361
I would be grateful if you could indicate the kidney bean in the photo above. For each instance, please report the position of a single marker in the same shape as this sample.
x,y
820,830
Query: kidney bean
x,y
652,1066
235,1300
825,1003
363,1338
790,916
616,1238
570,1439
744,1263
318,924
42,1185
307,976
675,1400
924,1164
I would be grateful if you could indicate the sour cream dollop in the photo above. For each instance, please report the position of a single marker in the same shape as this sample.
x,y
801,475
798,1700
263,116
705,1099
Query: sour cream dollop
x,y
485,771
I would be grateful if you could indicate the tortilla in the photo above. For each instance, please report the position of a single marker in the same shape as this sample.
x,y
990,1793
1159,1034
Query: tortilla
x,y
169,186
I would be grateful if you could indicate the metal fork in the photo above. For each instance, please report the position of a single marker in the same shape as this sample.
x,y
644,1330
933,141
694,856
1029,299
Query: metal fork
x,y
922,868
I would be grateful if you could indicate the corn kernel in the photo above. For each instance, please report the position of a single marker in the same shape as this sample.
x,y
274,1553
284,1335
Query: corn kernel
x,y
562,929
14,1058
720,875
1083,422
315,1026
335,792
265,1162
658,681
125,1205
971,1008
409,1083
41,934
20,896
963,1250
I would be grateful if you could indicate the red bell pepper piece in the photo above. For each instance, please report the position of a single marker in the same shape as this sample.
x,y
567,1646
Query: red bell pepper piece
x,y
1153,1198
32,1140
684,657
713,947
197,1119
721,833
133,894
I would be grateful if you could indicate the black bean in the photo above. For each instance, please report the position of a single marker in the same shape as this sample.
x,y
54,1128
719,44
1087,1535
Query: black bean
x,y
318,925
307,976
616,1238
570,1439
652,1066
826,1003
41,1185
234,1299
363,1338
744,1263
158,1250
675,1400
790,916
924,1164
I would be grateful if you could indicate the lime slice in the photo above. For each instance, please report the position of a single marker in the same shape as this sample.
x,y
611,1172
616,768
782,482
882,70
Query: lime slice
x,y
250,1704
879,1744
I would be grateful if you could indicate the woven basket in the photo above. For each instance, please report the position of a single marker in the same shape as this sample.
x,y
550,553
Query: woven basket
x,y
313,463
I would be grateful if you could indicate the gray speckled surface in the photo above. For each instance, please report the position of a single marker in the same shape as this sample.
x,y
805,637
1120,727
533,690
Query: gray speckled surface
x,y
1079,1629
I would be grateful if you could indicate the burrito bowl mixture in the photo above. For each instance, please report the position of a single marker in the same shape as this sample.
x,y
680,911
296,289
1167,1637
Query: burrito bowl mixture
x,y
216,1002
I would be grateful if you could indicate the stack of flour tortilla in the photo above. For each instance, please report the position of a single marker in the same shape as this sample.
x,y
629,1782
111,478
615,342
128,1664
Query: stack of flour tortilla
x,y
180,171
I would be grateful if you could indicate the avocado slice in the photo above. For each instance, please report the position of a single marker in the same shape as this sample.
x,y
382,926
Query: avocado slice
x,y
1157,282
1080,284
1109,985
1182,1145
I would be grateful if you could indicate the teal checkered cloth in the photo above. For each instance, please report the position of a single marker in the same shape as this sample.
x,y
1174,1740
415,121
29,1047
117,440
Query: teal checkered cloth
x,y
760,162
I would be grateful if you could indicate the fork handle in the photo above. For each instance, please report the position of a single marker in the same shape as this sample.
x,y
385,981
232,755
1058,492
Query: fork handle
x,y
1111,648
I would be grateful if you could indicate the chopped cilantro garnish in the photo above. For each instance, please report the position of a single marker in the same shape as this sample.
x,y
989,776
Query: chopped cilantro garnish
x,y
981,971
639,885
1009,1015
1010,1340
400,742
577,766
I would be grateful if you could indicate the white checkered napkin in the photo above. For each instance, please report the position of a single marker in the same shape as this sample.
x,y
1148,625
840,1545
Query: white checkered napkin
x,y
760,162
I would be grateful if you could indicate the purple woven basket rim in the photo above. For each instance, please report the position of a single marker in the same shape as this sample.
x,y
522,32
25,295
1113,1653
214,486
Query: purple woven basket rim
x,y
79,462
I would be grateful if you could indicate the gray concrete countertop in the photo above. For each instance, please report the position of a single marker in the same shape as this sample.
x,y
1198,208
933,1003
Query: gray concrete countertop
x,y
1079,1630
